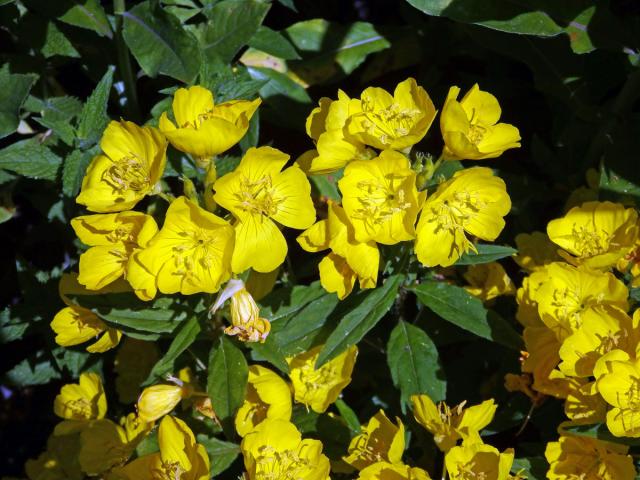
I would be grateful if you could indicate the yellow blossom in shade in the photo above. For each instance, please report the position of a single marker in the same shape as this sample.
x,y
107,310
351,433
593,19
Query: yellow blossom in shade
x,y
381,199
317,388
349,259
275,450
488,281
158,400
470,127
260,284
390,471
75,325
568,292
180,457
476,460
583,404
587,458
202,128
541,359
379,441
473,201
113,237
58,462
134,361
258,193
191,253
448,425
604,328
527,313
80,403
267,396
129,168
535,250
620,388
393,122
596,234
334,148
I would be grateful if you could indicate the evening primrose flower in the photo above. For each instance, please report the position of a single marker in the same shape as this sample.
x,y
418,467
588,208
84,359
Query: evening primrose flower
x,y
596,234
391,122
267,396
535,250
259,194
379,441
275,449
180,457
79,403
488,281
584,405
478,460
472,201
129,168
334,148
74,325
202,128
113,237
588,458
448,425
381,198
349,259
470,127
317,388
541,359
392,471
191,253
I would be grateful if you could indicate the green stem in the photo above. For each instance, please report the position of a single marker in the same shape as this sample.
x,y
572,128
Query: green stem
x,y
132,108
444,470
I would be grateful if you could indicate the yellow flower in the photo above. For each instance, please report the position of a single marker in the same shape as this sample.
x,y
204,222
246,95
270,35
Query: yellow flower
x,y
541,359
58,462
379,441
191,253
588,458
276,450
391,122
130,168
75,325
604,328
470,127
568,292
158,400
134,361
597,234
113,237
79,403
259,194
488,281
448,425
472,201
349,259
584,405
106,444
478,460
202,128
268,396
180,457
318,388
381,199
389,471
535,250
619,385
334,149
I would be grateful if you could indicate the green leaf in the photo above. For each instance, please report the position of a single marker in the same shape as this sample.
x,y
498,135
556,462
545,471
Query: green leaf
x,y
94,118
11,328
187,334
327,185
414,363
271,352
221,454
57,114
232,23
74,168
535,468
273,43
227,380
57,44
89,15
486,253
611,181
31,159
289,4
15,88
454,304
127,312
349,416
160,43
285,302
35,370
370,307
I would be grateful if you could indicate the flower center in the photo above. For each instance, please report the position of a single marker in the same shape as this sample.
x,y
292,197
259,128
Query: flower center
x,y
286,465
128,173
258,197
198,250
589,242
379,201
370,448
633,398
388,123
80,408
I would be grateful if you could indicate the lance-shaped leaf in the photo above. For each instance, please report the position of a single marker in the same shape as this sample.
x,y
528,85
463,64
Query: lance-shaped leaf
x,y
486,254
227,380
94,118
15,88
31,159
